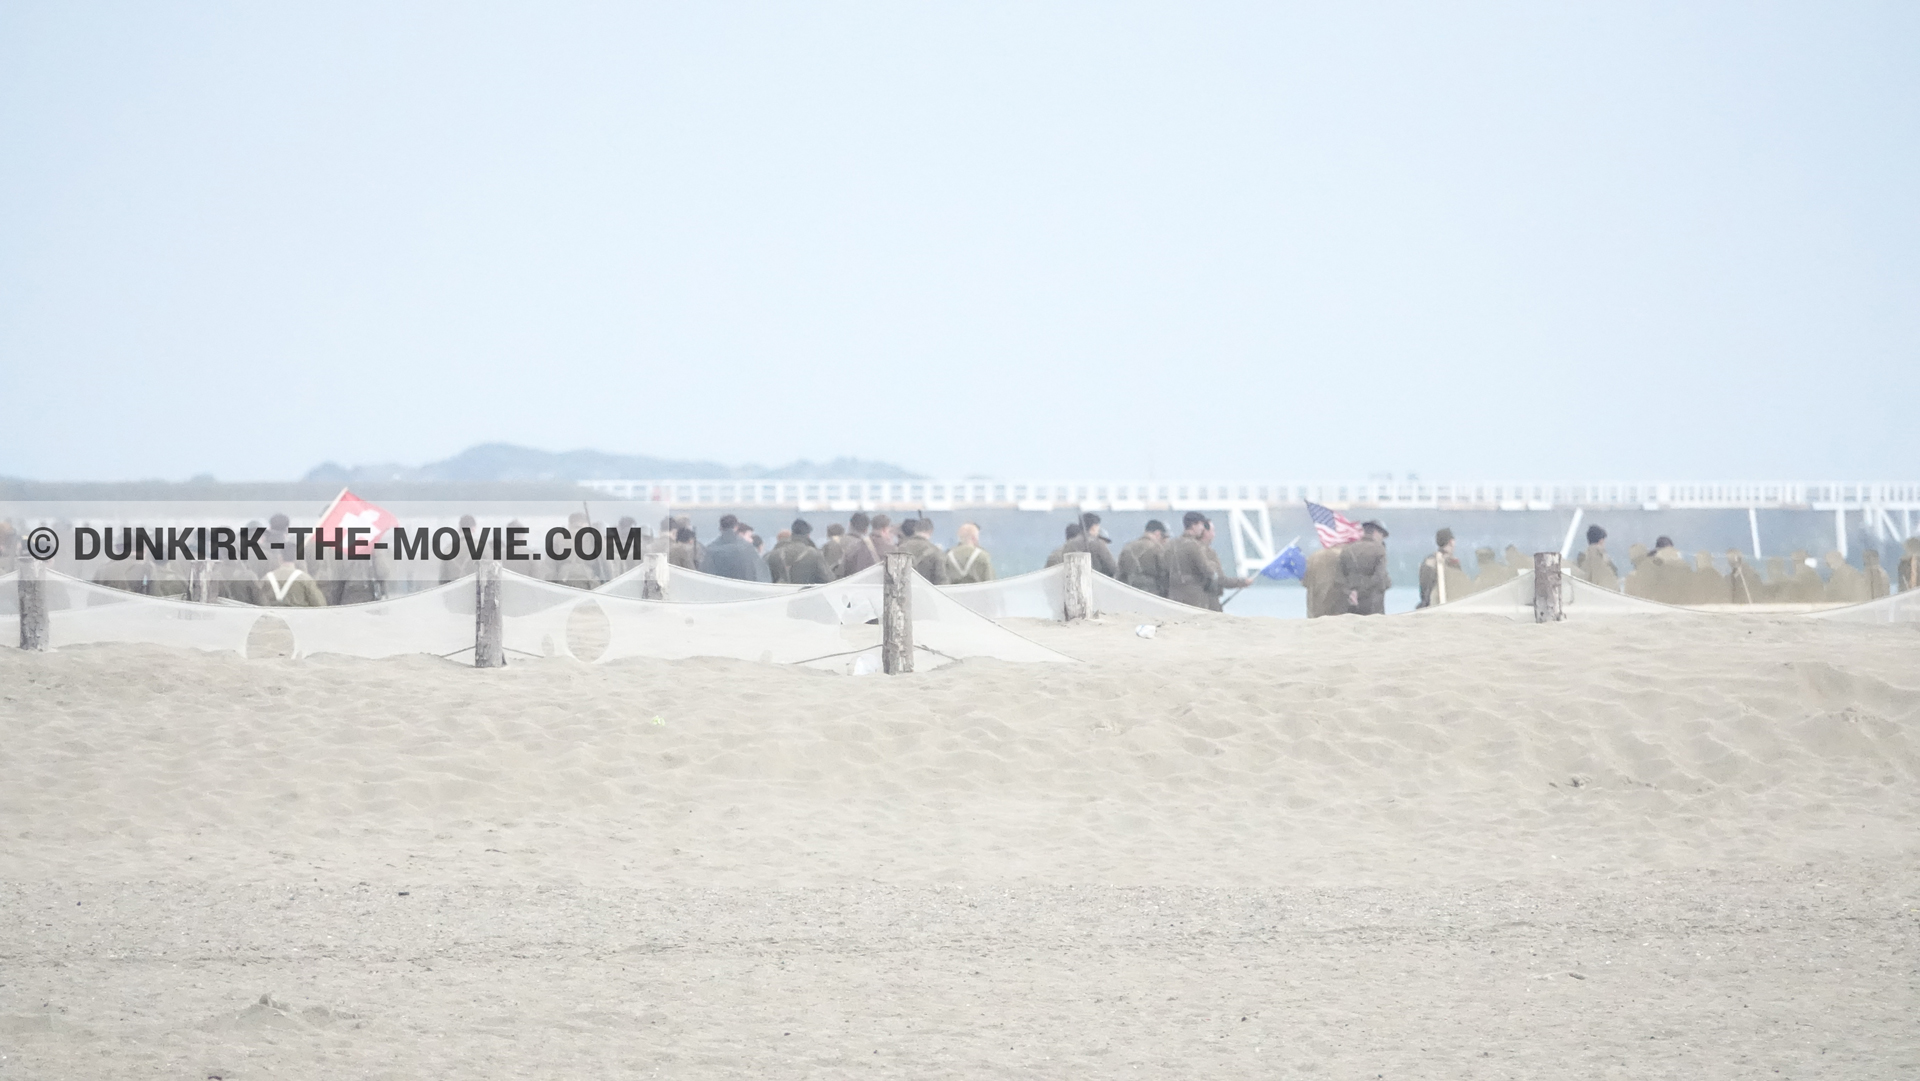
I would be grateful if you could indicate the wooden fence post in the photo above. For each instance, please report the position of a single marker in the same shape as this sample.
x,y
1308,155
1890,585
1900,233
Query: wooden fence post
x,y
653,579
1078,588
36,636
1546,588
896,615
489,645
200,581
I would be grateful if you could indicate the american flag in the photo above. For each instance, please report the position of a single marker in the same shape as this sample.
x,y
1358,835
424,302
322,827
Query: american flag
x,y
1333,529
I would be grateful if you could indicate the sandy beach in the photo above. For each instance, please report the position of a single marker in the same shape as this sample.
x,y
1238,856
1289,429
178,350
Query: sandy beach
x,y
1404,847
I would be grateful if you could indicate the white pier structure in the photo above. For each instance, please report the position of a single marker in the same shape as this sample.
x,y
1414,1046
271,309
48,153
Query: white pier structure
x,y
1886,508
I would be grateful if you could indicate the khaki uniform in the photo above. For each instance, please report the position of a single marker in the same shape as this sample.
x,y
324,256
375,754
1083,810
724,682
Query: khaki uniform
x,y
803,564
1805,587
1844,584
169,580
1877,584
1662,576
1910,566
859,554
1595,567
1143,565
1190,575
1709,585
1363,571
128,574
1103,561
1322,580
968,563
1219,578
289,587
831,552
1743,586
928,559
777,560
1488,573
1458,584
356,581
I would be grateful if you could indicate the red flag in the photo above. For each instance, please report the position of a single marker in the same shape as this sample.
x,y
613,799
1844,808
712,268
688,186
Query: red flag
x,y
348,511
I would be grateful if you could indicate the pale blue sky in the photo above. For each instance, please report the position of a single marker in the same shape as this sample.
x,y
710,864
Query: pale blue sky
x,y
1582,241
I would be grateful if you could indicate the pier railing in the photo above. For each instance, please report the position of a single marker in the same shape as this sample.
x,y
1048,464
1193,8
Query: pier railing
x,y
1043,495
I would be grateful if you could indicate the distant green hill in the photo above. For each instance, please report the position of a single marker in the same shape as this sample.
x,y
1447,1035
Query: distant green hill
x,y
500,462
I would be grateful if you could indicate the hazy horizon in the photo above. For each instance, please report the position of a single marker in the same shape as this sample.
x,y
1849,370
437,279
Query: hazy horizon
x,y
1218,240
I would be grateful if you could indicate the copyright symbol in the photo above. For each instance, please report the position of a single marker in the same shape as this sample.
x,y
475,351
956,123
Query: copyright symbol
x,y
43,543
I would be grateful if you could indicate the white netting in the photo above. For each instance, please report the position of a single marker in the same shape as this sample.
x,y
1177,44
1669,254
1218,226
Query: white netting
x,y
1899,608
1578,600
535,615
1114,597
437,621
1042,595
81,613
1034,595
683,586
824,626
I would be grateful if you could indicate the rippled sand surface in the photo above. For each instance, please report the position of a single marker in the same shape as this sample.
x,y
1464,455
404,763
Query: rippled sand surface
x,y
1389,847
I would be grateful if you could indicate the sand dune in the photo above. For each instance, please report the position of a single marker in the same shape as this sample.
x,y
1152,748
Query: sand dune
x,y
1346,826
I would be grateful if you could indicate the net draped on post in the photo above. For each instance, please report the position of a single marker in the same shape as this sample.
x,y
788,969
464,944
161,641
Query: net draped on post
x,y
1042,595
82,613
833,626
692,587
1898,608
1578,600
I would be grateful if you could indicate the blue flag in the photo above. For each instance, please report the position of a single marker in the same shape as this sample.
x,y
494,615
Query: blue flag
x,y
1290,563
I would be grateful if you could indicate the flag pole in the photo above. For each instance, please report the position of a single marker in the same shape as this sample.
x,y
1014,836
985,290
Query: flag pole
x,y
1249,585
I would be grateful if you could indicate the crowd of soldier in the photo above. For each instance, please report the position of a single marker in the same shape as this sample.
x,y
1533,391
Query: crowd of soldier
x,y
1344,578
1663,573
737,551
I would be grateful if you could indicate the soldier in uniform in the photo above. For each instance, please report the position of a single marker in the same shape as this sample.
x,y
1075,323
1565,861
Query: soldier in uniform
x,y
1779,584
1221,583
1709,586
928,559
803,564
1743,586
882,537
1458,586
777,558
287,586
681,552
1877,585
1662,576
1094,543
169,579
1322,582
1593,564
1844,584
574,571
1058,555
1143,561
1805,587
859,552
461,564
1363,570
1190,575
836,544
699,548
966,560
